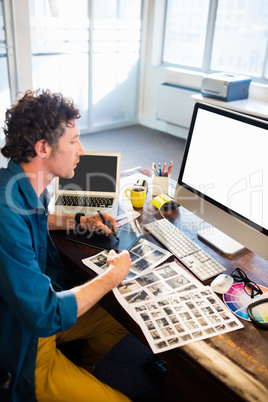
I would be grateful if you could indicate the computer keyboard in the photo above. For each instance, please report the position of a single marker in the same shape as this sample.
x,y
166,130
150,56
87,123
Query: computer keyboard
x,y
190,254
84,201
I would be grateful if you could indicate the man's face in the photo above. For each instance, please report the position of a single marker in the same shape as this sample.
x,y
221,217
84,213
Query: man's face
x,y
64,159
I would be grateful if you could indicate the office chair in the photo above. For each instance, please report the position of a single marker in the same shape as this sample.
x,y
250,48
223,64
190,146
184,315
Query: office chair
x,y
5,381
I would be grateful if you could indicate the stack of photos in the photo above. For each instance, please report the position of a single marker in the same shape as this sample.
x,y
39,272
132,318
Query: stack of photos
x,y
144,256
154,284
171,306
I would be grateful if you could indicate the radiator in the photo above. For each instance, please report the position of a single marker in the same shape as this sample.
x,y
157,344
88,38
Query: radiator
x,y
175,105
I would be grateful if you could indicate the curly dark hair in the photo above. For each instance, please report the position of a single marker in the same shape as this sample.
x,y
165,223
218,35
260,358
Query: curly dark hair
x,y
36,115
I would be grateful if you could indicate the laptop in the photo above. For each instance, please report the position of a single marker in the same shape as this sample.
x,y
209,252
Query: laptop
x,y
95,185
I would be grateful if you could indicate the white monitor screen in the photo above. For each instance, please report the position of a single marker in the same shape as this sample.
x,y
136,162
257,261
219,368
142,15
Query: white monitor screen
x,y
226,163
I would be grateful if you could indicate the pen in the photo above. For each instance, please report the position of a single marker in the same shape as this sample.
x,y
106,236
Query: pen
x,y
163,170
107,224
170,167
154,168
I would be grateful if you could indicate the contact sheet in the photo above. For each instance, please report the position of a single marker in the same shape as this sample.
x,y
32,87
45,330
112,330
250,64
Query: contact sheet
x,y
171,306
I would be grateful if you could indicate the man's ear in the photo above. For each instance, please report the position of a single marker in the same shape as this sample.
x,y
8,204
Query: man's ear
x,y
42,148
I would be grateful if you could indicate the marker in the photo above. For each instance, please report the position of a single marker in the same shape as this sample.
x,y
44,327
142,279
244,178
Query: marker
x,y
107,224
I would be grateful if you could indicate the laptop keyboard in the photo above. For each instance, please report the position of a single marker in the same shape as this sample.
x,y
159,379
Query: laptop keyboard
x,y
81,201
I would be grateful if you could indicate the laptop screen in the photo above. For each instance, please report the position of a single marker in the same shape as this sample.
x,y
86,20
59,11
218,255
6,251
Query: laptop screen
x,y
94,173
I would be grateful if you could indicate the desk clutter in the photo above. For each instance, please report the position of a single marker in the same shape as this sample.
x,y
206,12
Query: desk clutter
x,y
170,305
161,172
238,302
258,313
126,239
137,195
246,299
161,200
160,178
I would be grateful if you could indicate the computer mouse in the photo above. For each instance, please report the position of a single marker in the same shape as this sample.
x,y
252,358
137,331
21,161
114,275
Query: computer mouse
x,y
222,283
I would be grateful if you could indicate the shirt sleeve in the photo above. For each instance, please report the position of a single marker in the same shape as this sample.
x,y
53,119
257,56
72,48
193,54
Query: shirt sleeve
x,y
23,286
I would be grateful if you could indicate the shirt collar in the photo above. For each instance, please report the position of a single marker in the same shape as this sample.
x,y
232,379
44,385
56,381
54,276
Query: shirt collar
x,y
23,182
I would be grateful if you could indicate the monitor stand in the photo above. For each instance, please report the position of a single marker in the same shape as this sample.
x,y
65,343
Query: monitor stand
x,y
220,240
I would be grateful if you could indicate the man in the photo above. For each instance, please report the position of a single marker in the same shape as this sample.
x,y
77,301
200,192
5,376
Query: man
x,y
36,314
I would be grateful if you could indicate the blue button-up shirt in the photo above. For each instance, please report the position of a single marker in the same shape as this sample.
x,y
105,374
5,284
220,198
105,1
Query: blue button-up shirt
x,y
30,307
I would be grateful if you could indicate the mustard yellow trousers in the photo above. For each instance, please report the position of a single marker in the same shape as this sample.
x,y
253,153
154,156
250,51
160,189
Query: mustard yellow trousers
x,y
58,379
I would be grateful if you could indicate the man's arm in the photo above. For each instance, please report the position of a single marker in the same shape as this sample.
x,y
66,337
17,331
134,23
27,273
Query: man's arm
x,y
58,221
90,293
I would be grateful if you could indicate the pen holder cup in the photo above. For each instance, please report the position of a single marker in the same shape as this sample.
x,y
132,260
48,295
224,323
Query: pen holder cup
x,y
160,185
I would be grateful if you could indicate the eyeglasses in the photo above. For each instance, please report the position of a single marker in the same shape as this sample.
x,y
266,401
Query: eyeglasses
x,y
251,288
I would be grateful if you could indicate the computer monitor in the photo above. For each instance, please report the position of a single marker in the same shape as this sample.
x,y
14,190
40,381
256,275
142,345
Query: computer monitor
x,y
224,176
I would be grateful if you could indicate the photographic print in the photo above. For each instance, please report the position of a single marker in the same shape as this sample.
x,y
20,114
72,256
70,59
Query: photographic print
x,y
143,249
187,317
127,287
166,271
100,259
148,279
156,256
172,307
137,297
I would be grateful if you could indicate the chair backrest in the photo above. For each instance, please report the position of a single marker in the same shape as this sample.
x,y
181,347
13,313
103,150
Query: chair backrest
x,y
5,381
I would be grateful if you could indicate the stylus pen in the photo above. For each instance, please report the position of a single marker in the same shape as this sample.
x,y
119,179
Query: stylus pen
x,y
107,224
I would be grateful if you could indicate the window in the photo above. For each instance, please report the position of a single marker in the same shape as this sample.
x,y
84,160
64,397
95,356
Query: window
x,y
59,45
89,50
116,38
4,81
218,35
185,32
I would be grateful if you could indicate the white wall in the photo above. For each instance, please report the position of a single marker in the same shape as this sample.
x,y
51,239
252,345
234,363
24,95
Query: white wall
x,y
22,44
153,74
3,161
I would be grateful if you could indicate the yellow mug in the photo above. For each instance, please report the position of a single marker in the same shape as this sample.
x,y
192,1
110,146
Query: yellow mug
x,y
137,196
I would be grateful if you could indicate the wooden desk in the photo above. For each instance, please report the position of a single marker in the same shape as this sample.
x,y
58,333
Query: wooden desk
x,y
232,366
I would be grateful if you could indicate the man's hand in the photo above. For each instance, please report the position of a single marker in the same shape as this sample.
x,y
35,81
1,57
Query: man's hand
x,y
90,293
95,223
57,221
118,265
